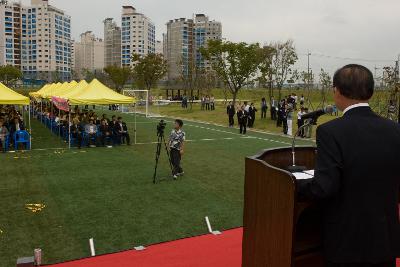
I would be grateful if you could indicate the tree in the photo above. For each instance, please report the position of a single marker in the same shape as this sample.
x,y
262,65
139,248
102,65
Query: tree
x,y
9,74
234,63
295,77
284,56
119,76
87,75
307,78
326,83
266,77
149,69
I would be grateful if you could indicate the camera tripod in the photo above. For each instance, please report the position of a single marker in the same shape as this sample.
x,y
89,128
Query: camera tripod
x,y
161,140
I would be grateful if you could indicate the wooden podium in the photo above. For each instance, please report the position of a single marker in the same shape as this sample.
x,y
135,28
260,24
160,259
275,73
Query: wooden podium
x,y
279,230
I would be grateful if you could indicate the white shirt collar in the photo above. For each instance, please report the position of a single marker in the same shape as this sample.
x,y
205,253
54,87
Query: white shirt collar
x,y
355,106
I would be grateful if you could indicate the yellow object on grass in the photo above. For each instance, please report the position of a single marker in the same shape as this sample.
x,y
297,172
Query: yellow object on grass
x,y
35,207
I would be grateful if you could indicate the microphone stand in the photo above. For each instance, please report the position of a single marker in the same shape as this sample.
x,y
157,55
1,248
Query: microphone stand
x,y
294,168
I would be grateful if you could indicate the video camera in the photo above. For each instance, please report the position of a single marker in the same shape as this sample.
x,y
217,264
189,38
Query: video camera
x,y
161,128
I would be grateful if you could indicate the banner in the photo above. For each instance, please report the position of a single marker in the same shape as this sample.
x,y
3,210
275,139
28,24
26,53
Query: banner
x,y
60,103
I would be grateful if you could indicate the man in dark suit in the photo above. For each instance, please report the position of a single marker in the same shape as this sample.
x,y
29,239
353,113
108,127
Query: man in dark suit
x,y
230,111
357,177
243,116
122,131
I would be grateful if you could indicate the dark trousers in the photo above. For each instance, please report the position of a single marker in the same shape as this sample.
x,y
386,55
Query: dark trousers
x,y
251,122
299,124
386,264
273,114
243,126
125,137
91,139
279,120
263,113
176,161
285,126
231,120
106,140
207,106
78,138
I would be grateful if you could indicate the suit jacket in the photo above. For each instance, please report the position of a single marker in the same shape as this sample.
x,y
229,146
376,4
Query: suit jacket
x,y
242,116
357,177
230,110
13,127
119,129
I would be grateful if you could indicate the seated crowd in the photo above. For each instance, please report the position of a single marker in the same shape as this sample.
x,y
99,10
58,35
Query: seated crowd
x,y
11,121
87,128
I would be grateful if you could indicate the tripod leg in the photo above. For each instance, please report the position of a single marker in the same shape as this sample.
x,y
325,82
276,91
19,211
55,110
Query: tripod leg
x,y
169,156
158,152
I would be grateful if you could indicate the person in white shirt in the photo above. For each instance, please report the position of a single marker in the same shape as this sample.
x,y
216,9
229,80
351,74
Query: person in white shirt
x,y
246,106
300,121
91,132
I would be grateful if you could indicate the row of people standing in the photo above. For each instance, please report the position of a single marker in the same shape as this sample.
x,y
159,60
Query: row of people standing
x,y
281,111
208,102
246,115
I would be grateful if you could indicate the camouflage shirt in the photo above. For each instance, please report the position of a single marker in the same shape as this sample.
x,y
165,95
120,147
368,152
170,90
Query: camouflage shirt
x,y
176,139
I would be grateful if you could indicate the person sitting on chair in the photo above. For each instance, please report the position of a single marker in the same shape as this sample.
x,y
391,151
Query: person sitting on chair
x,y
76,132
3,135
16,126
106,133
122,131
91,132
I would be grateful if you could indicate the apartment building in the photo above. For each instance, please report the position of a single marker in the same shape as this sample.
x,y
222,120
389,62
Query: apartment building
x,y
89,53
10,33
137,35
183,41
37,39
112,43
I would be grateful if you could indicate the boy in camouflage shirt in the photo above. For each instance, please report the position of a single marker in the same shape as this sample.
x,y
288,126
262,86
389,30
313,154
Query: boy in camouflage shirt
x,y
176,144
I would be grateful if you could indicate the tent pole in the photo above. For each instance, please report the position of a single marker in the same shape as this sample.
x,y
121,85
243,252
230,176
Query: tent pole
x,y
41,110
69,128
51,114
147,104
30,126
135,126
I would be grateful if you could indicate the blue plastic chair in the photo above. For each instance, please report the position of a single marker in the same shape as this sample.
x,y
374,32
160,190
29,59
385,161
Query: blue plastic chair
x,y
22,137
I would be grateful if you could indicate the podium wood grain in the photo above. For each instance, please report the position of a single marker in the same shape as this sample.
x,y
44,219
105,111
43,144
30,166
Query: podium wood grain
x,y
279,231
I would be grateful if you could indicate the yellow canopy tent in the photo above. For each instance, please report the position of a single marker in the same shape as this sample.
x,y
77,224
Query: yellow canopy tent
x,y
74,90
42,93
97,93
37,93
65,87
10,97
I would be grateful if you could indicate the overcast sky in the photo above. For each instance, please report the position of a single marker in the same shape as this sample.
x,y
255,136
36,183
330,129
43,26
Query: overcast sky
x,y
356,29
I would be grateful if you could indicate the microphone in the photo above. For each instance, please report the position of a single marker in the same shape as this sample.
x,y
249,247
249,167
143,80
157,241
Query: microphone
x,y
314,117
318,113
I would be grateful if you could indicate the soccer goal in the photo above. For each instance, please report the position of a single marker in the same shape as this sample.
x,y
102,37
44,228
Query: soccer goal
x,y
145,105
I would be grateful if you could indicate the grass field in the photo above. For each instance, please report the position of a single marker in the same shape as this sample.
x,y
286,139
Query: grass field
x,y
108,194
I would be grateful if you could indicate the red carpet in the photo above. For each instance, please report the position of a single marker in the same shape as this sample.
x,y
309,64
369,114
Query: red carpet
x,y
208,250
203,251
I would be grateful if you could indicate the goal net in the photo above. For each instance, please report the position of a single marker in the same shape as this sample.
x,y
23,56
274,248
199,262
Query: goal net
x,y
145,105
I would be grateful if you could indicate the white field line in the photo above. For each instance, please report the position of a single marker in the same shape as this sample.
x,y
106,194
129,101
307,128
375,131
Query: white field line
x,y
224,126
